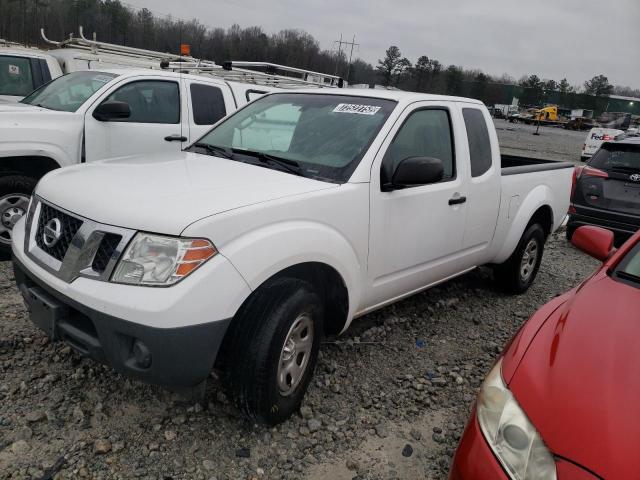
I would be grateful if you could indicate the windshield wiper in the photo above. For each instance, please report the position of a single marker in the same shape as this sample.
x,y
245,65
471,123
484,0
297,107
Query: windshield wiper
x,y
289,165
214,149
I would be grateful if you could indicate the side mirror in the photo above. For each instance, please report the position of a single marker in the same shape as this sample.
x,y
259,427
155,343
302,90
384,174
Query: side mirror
x,y
594,241
414,171
112,110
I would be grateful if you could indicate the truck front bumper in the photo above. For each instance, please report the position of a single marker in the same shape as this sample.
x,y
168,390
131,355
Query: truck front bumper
x,y
174,357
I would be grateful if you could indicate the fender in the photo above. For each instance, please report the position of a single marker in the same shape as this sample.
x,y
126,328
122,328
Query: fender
x,y
35,149
57,135
540,196
262,253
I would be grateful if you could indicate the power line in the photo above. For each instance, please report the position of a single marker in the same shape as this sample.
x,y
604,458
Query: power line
x,y
352,43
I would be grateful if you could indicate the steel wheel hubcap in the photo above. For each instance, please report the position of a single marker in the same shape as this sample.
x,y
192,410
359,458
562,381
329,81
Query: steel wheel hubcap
x,y
294,357
529,259
12,208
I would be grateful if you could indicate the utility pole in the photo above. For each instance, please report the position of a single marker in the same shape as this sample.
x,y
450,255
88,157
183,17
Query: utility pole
x,y
352,43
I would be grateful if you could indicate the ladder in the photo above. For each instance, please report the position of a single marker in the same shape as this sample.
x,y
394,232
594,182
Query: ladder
x,y
96,47
7,43
260,73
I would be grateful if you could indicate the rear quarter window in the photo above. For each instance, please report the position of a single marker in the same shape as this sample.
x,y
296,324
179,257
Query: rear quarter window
x,y
479,141
207,103
16,77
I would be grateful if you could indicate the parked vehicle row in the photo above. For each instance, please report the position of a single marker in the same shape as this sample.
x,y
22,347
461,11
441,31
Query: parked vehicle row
x,y
556,404
288,219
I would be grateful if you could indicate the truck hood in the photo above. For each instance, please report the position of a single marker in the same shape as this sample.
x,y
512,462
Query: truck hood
x,y
9,106
579,381
166,193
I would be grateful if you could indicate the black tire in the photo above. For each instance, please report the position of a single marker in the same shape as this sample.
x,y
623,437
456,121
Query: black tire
x,y
569,233
254,347
12,186
509,275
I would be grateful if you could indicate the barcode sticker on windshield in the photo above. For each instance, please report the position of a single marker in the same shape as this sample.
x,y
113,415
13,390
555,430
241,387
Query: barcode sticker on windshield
x,y
354,108
14,70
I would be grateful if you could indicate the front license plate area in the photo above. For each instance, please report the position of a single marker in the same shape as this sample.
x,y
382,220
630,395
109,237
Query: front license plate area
x,y
45,311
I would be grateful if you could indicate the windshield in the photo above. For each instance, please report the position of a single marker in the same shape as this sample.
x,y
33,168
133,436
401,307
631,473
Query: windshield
x,y
15,76
620,156
69,92
323,136
628,269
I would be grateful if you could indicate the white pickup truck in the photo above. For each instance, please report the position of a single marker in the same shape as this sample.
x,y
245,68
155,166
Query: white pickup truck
x,y
290,218
92,115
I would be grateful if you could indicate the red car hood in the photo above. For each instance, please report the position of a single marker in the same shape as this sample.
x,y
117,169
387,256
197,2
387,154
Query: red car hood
x,y
579,381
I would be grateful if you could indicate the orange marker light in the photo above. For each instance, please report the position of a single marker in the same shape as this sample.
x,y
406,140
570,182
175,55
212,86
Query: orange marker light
x,y
185,49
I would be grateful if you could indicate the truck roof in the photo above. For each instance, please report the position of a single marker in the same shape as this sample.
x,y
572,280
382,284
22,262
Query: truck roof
x,y
397,95
21,51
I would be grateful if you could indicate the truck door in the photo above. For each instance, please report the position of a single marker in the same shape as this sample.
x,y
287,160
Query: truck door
x,y
207,103
154,125
416,233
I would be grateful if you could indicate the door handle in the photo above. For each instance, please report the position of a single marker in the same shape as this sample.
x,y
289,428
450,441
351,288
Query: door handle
x,y
457,200
175,138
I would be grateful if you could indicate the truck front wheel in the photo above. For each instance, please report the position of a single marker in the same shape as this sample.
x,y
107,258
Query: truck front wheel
x,y
15,192
272,348
517,274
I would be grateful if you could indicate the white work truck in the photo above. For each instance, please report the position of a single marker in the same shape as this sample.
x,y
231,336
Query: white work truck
x,y
290,218
92,115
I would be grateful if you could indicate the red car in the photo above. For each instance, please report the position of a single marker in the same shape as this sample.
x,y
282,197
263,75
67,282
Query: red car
x,y
563,400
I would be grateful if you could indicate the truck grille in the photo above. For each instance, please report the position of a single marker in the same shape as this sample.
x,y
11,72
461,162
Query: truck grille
x,y
105,251
69,226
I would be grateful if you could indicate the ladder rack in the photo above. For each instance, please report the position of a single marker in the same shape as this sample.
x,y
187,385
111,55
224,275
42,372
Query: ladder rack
x,y
96,47
7,43
274,75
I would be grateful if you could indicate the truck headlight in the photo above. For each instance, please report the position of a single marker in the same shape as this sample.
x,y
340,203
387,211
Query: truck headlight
x,y
510,434
161,261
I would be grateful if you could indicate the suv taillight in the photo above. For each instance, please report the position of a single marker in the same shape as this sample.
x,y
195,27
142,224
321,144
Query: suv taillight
x,y
592,172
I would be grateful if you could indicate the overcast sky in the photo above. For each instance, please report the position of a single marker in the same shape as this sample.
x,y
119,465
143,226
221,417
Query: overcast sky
x,y
576,39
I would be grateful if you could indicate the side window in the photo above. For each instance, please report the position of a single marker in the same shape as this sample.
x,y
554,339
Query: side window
x,y
207,103
150,101
15,76
425,133
479,141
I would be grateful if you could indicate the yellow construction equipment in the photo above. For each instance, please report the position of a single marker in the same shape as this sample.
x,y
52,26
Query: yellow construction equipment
x,y
546,114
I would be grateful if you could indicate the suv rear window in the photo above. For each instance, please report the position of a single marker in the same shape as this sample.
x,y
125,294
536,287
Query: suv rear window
x,y
617,156
15,76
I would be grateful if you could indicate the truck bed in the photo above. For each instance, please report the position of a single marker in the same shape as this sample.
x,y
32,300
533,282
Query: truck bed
x,y
515,165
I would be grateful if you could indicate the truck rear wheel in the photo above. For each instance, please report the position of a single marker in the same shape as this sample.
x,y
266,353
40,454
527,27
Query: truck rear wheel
x,y
517,274
15,192
272,348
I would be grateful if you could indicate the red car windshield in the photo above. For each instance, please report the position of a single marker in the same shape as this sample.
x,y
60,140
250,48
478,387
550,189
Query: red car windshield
x,y
628,269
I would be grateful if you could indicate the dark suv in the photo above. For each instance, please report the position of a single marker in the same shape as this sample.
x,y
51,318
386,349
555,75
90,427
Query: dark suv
x,y
606,191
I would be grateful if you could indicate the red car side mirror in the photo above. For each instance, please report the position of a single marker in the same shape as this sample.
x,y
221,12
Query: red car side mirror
x,y
594,241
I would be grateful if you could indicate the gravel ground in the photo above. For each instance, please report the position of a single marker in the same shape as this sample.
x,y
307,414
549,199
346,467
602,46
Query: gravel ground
x,y
552,143
390,398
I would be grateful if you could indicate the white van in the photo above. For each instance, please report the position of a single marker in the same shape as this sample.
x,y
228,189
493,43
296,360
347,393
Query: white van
x,y
595,138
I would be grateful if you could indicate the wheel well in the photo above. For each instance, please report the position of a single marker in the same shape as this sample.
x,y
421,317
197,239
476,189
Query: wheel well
x,y
543,216
329,285
32,166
